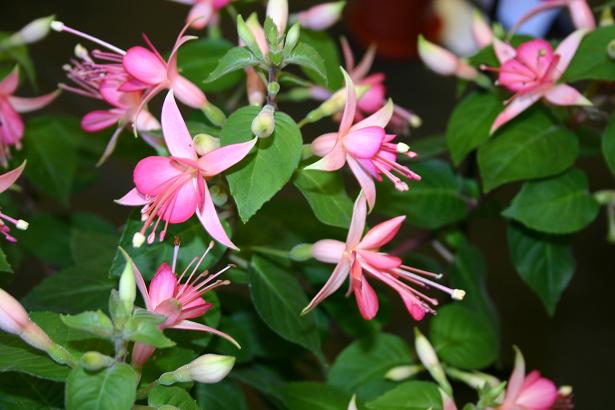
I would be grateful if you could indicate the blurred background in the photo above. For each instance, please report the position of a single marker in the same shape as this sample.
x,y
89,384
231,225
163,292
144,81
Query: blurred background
x,y
573,347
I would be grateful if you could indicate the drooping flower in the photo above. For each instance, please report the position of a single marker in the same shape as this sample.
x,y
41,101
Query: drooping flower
x,y
6,181
11,124
532,72
172,189
15,320
359,258
203,12
580,12
365,146
320,17
178,299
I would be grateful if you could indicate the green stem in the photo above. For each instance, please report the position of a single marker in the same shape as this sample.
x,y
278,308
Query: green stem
x,y
270,251
143,392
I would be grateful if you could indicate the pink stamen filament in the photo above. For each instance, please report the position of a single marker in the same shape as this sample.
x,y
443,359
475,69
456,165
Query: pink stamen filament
x,y
93,39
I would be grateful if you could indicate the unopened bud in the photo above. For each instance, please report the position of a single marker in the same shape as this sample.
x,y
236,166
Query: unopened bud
x,y
292,38
204,143
277,11
255,87
428,357
322,16
335,103
22,225
138,239
476,380
606,17
263,124
94,361
209,368
400,373
31,32
605,197
444,62
127,287
273,88
214,114
301,252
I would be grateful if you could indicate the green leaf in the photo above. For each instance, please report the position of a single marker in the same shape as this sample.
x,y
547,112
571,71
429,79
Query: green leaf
x,y
51,154
257,178
307,57
328,50
194,240
111,388
591,61
143,327
198,59
368,359
263,379
546,263
470,123
430,146
326,195
236,58
462,338
608,144
20,391
91,247
556,205
173,396
434,202
412,395
314,396
55,234
5,266
93,322
224,395
531,146
278,300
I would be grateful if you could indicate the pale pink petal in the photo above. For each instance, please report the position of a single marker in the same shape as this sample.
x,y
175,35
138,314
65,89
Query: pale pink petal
x,y
333,161
132,198
436,58
188,93
566,50
365,181
357,223
211,222
162,286
219,160
176,135
11,124
144,65
259,33
200,14
382,233
189,325
99,120
480,30
516,378
337,278
373,99
364,142
182,205
328,250
9,84
110,146
366,297
146,121
563,94
365,64
380,260
152,174
581,14
351,105
503,51
380,118
514,108
8,178
539,393
348,56
322,145
21,104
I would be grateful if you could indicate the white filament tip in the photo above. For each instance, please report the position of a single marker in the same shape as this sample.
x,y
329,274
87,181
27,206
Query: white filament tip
x,y
22,225
138,239
57,25
458,294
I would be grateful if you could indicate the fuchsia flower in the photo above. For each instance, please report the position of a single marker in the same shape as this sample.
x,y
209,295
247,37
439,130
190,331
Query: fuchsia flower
x,y
173,188
178,301
365,146
11,124
203,12
580,12
6,181
444,62
532,72
320,17
360,257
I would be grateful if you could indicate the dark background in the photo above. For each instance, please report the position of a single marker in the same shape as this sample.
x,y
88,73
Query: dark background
x,y
574,347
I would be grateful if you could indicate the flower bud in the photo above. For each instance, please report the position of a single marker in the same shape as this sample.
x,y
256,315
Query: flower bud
x,y
218,195
428,357
263,124
31,32
335,103
273,88
322,16
476,380
214,114
204,143
292,38
277,11
94,361
443,61
127,286
400,373
209,368
481,30
301,252
606,17
15,320
255,87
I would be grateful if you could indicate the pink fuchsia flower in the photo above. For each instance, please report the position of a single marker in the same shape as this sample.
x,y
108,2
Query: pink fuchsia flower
x,y
6,181
15,320
528,392
172,189
320,17
360,257
178,301
580,12
444,62
203,12
365,146
11,124
532,71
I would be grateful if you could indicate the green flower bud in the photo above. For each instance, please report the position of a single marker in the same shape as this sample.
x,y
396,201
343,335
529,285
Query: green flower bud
x,y
429,359
263,124
209,368
204,143
301,252
94,361
214,114
292,38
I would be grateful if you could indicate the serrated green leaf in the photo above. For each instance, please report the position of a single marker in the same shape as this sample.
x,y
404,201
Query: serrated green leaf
x,y
557,205
314,396
591,60
412,395
236,58
93,322
306,56
111,388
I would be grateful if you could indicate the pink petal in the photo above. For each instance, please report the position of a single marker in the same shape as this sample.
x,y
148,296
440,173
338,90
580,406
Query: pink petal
x,y
540,394
380,260
436,58
211,222
364,142
373,99
132,198
536,54
8,178
99,120
333,161
366,298
413,306
337,278
566,50
322,145
11,124
152,173
219,160
348,57
182,205
581,14
200,14
110,145
516,378
218,4
144,65
162,286
189,325
503,51
563,94
365,181
132,84
9,84
361,70
380,118
516,107
188,93
328,250
357,223
21,104
176,135
351,105
146,121
481,30
382,233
